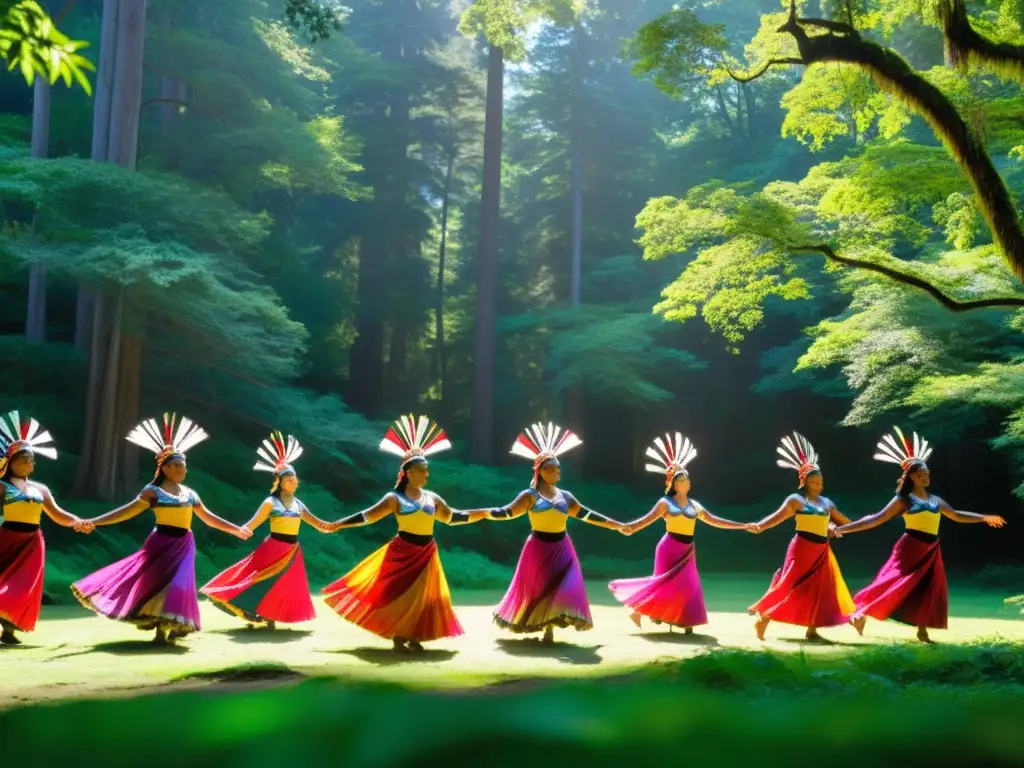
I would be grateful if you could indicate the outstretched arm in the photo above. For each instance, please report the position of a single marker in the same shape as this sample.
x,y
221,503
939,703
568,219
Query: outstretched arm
x,y
969,517
580,512
657,511
321,525
260,516
368,516
786,511
220,523
63,517
894,508
517,508
449,516
142,502
718,522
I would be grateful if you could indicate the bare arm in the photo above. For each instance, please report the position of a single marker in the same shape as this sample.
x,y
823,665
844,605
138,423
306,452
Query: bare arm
x,y
321,525
580,512
260,516
783,513
718,522
969,517
449,516
894,508
837,517
517,508
368,516
60,516
657,512
142,502
219,523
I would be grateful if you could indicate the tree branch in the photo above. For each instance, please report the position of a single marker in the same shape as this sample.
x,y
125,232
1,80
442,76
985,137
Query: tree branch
x,y
768,65
892,74
895,275
164,101
964,43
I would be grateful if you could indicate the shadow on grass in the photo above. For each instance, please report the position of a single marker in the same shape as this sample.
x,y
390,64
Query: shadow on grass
x,y
246,635
386,657
245,673
129,648
822,641
678,638
565,652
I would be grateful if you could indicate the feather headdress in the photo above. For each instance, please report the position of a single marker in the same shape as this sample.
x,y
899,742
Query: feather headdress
x,y
798,453
673,453
413,439
541,443
276,456
174,439
17,436
901,451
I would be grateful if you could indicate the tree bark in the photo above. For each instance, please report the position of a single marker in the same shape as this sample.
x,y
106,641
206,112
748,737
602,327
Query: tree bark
x,y
575,414
35,317
107,468
439,350
481,444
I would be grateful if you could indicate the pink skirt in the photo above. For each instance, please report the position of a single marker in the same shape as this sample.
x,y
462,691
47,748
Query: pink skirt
x,y
673,595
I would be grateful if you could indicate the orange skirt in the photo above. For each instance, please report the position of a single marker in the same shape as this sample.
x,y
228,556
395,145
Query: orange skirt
x,y
398,591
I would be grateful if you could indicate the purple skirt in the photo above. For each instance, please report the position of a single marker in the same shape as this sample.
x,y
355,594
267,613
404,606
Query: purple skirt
x,y
547,589
673,595
155,587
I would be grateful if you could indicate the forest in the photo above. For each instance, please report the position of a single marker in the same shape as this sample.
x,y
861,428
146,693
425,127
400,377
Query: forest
x,y
731,218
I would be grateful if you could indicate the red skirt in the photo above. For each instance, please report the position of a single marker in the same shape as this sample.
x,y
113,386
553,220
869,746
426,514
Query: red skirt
x,y
268,585
910,588
808,590
22,554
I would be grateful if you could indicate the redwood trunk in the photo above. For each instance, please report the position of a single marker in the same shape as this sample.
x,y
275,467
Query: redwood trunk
x,y
481,445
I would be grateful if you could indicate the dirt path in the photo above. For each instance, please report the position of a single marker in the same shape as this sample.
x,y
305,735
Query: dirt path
x,y
74,654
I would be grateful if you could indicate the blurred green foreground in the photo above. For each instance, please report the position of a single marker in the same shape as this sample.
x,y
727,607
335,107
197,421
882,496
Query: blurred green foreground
x,y
890,705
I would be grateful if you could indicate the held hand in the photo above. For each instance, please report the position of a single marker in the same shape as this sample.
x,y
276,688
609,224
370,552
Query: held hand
x,y
626,529
243,532
752,527
834,532
994,521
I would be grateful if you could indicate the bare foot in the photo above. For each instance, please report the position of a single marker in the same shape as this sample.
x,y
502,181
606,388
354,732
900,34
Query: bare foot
x,y
415,646
687,630
549,636
271,625
160,638
858,624
812,634
922,635
9,638
635,618
760,626
400,645
175,634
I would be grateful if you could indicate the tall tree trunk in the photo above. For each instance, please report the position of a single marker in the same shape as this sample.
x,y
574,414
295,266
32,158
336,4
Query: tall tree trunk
x,y
574,403
35,317
481,443
106,468
748,96
440,367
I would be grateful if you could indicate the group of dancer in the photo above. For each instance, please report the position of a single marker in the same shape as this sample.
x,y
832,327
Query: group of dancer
x,y
400,592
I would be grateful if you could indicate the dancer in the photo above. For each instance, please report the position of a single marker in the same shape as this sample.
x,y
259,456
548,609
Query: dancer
x,y
270,585
400,592
22,549
808,590
547,590
155,588
911,586
673,595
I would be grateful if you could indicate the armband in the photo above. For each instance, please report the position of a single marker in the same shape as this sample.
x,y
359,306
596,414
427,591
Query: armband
x,y
500,514
355,519
459,518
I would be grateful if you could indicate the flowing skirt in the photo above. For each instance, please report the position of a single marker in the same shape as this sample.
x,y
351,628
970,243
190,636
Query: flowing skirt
x,y
398,591
910,588
268,585
673,595
22,554
808,590
546,590
155,587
